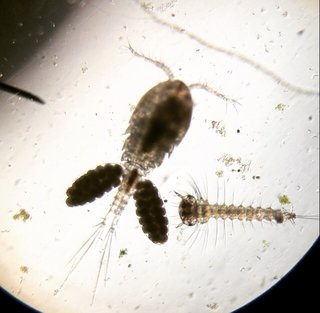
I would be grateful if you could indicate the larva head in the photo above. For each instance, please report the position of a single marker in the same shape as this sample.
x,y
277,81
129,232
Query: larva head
x,y
187,209
285,216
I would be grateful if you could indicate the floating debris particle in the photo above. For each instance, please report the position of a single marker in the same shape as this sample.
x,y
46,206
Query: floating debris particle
x,y
212,306
84,69
229,160
22,215
219,173
256,177
280,107
24,269
219,127
284,199
147,6
123,252
266,244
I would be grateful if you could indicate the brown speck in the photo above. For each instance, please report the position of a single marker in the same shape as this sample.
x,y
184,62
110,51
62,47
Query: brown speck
x,y
123,252
22,215
284,199
24,269
212,306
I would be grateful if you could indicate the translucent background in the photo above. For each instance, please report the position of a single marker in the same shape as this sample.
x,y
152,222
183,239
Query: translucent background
x,y
74,55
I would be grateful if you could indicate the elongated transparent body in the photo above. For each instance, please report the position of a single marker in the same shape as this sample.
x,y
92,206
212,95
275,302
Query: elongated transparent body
x,y
193,211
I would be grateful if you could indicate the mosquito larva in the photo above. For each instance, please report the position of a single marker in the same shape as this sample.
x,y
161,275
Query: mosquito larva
x,y
199,211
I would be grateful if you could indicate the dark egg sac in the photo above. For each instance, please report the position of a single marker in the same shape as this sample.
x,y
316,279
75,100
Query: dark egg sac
x,y
94,184
151,212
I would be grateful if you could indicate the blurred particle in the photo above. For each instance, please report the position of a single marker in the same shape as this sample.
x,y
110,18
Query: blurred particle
x,y
22,215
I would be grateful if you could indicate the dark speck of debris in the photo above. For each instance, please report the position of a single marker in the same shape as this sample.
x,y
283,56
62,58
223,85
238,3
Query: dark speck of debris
x,y
300,32
123,252
238,131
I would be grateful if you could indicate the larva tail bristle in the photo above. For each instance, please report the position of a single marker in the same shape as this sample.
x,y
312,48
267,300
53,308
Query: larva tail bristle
x,y
94,184
151,212
314,217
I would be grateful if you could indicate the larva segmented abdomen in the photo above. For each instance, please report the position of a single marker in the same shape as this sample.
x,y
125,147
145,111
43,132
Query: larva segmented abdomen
x,y
151,212
94,184
159,123
193,211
